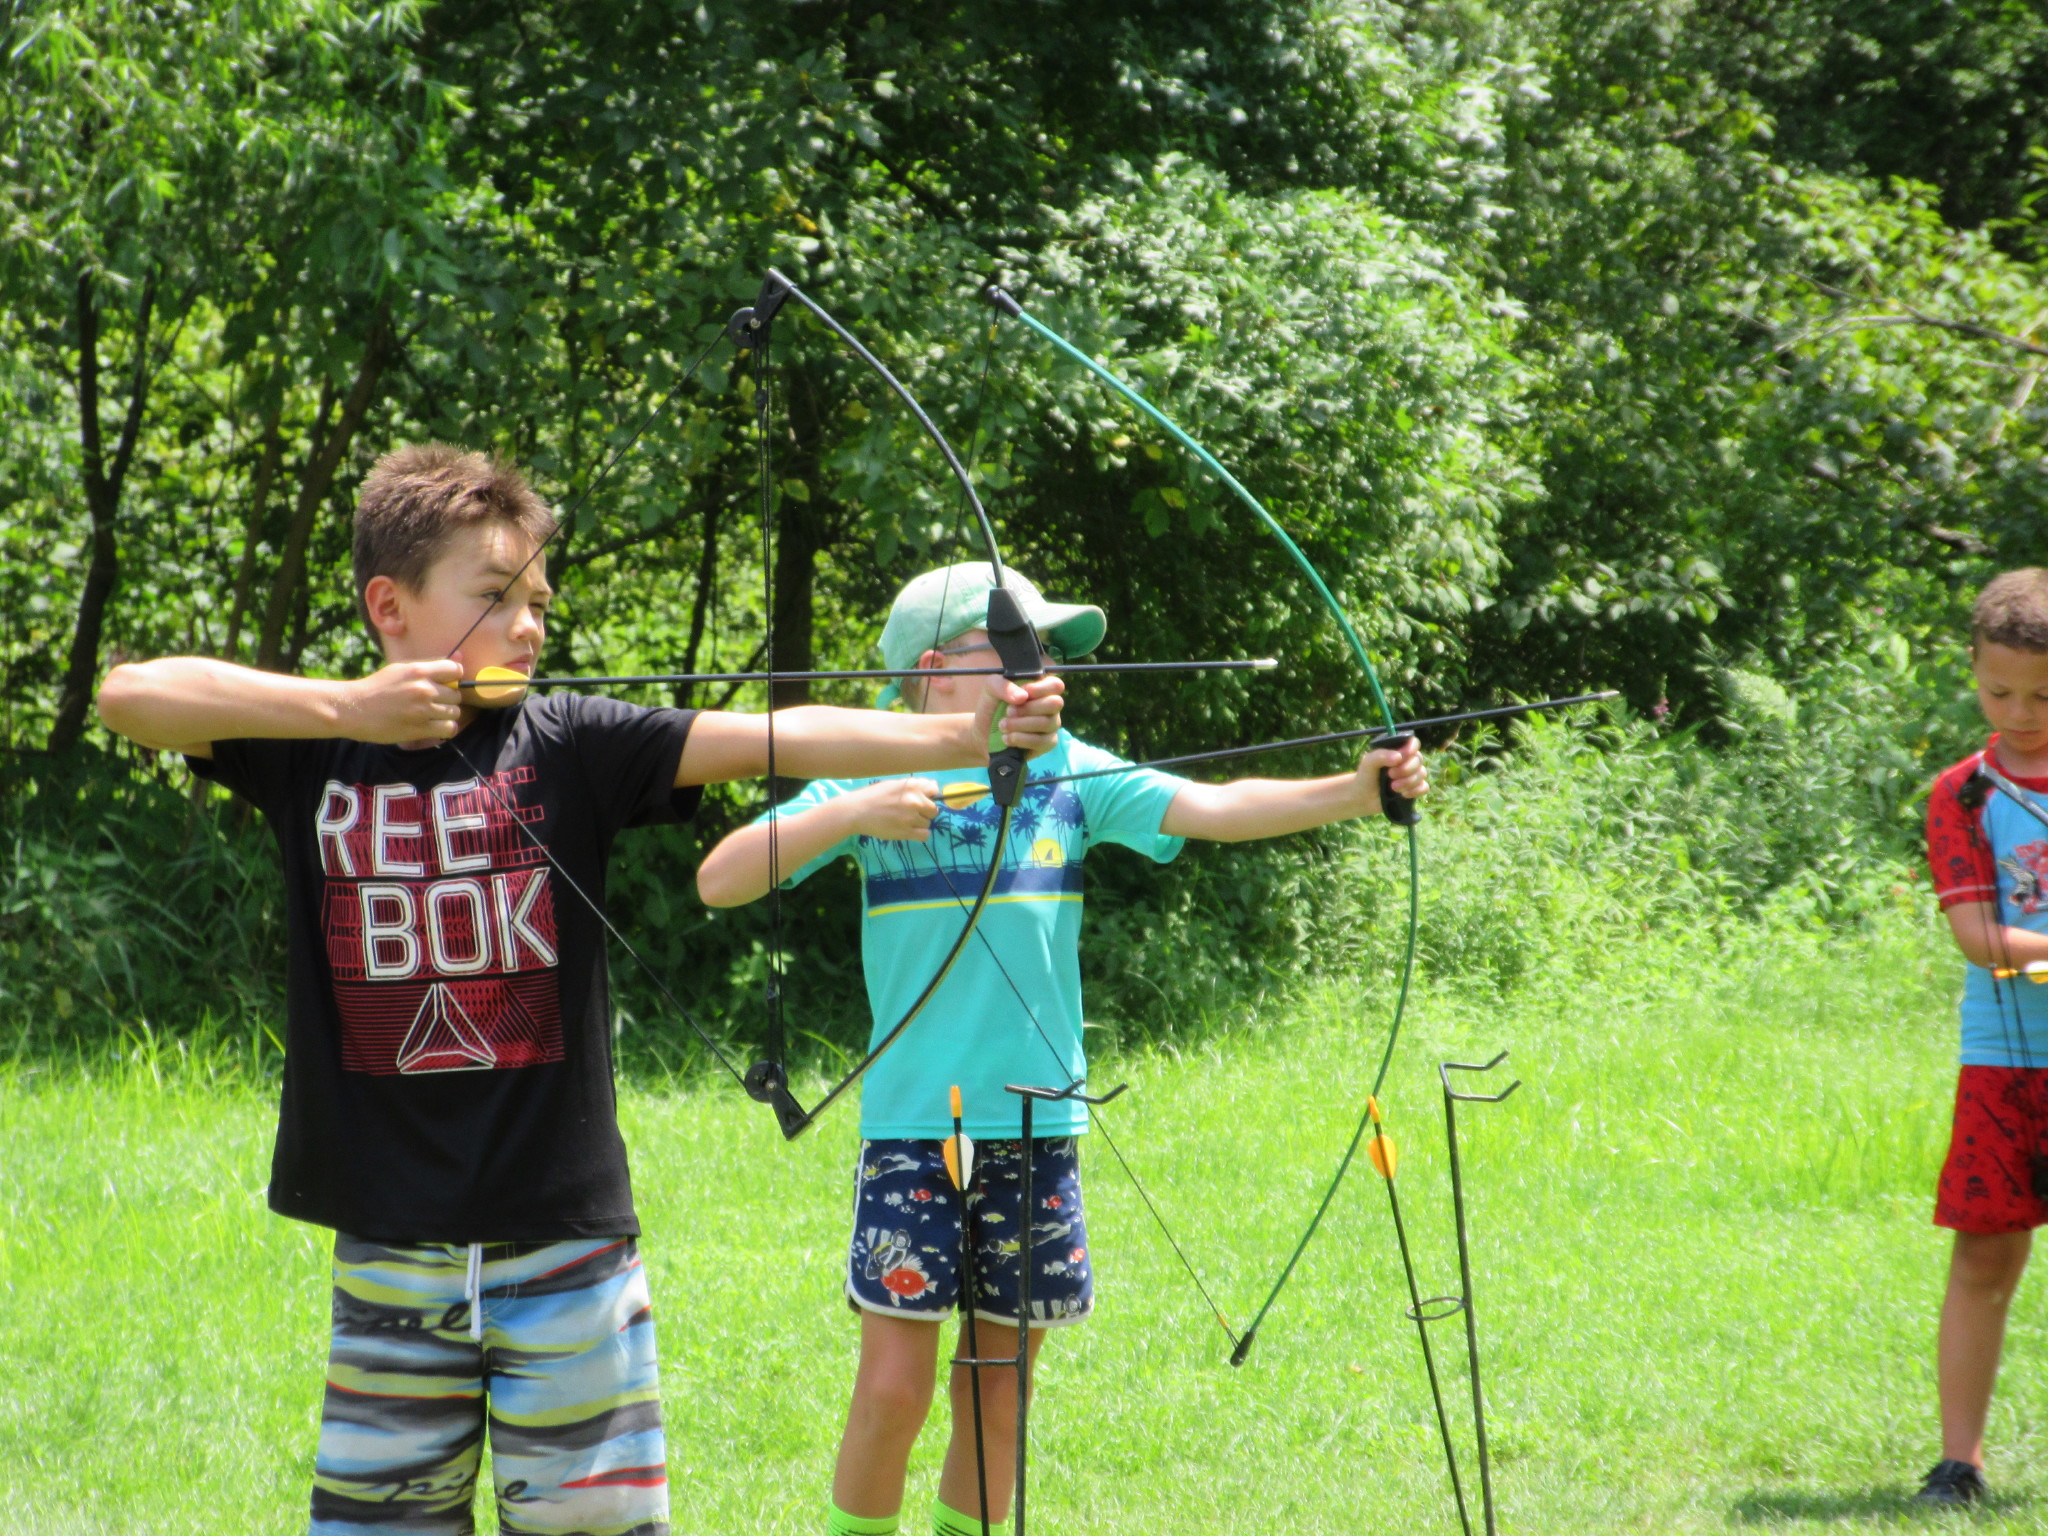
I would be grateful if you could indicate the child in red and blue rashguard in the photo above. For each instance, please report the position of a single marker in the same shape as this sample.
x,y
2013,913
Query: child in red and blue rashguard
x,y
1987,846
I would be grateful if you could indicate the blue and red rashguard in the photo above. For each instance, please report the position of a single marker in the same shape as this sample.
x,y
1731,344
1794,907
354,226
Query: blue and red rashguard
x,y
1984,844
1987,844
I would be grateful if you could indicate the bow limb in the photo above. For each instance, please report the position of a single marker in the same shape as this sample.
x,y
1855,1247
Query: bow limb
x,y
1016,311
1016,646
1011,307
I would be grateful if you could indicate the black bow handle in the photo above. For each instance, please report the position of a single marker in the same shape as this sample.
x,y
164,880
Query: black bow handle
x,y
1017,648
1399,809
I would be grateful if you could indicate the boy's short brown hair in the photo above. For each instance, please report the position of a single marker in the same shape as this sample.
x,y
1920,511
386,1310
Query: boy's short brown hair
x,y
2012,611
416,497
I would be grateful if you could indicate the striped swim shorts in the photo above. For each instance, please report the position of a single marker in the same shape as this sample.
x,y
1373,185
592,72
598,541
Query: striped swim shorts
x,y
548,1347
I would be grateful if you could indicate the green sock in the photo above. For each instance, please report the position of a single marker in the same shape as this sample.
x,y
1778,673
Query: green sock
x,y
840,1523
947,1521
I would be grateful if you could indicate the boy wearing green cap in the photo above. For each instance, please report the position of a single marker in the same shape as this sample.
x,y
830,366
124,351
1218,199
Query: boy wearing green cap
x,y
1008,1012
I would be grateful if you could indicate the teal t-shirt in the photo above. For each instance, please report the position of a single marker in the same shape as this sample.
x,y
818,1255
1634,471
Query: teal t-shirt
x,y
984,1028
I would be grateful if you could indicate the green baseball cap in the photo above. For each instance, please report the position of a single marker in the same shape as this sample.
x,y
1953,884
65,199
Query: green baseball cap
x,y
945,604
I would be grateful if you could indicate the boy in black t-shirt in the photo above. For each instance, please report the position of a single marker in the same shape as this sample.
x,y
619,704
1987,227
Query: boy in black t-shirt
x,y
447,1104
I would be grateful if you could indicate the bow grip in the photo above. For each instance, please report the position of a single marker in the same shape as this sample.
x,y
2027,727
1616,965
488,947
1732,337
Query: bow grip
x,y
1399,809
766,1083
1016,646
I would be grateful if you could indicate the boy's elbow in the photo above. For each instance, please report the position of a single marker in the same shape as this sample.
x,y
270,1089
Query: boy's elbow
x,y
716,889
117,699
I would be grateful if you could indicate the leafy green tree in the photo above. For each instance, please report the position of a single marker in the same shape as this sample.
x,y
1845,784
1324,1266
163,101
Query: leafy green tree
x,y
195,196
1768,396
1952,94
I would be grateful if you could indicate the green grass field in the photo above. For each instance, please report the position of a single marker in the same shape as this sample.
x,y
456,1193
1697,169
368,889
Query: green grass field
x,y
1706,1277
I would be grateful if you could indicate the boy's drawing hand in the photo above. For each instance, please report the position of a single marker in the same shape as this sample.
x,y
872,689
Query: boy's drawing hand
x,y
895,810
405,701
1032,717
1410,773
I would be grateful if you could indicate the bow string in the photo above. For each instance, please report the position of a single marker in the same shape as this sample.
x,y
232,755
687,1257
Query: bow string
x,y
1015,642
1398,810
1017,649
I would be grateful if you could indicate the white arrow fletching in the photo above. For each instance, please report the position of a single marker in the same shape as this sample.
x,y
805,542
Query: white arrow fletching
x,y
960,1160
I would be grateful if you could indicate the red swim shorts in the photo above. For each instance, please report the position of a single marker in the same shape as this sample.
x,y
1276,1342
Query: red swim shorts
x,y
1996,1176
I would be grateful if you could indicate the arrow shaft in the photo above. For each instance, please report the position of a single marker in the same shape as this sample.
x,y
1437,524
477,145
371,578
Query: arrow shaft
x,y
861,674
1401,728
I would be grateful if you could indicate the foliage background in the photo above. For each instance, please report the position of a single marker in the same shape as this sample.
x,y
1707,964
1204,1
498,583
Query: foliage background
x,y
1687,348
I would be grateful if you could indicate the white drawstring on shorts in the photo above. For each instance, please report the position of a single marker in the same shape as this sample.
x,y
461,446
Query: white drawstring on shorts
x,y
473,1290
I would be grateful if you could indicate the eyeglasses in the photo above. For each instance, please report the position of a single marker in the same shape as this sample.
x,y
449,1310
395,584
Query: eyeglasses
x,y
1046,653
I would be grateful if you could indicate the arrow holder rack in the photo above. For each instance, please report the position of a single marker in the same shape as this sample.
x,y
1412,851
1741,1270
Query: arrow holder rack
x,y
1436,1309
1021,1361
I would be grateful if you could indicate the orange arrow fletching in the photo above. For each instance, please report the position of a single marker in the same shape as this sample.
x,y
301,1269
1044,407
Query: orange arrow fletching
x,y
959,1149
1381,1150
497,687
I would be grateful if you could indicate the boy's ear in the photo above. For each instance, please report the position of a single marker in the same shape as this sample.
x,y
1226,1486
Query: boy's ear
x,y
927,661
384,602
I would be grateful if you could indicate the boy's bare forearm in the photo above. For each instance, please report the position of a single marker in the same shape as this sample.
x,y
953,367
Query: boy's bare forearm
x,y
1987,942
736,871
186,703
818,741
1252,808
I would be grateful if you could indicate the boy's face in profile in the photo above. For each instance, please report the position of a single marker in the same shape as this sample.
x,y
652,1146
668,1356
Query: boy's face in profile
x,y
2012,690
951,692
477,579
947,693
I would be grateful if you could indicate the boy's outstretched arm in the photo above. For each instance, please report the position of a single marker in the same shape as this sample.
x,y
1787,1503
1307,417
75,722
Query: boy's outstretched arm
x,y
1987,942
1247,808
187,703
816,741
736,871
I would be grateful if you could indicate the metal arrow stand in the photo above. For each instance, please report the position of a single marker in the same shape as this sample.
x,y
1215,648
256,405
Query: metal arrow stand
x,y
1022,1360
1438,1308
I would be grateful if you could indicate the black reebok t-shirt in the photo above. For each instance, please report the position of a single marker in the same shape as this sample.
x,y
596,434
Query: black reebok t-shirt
x,y
448,1071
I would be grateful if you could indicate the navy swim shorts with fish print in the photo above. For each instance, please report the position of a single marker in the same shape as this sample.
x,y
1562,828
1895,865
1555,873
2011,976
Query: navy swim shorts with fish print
x,y
905,1259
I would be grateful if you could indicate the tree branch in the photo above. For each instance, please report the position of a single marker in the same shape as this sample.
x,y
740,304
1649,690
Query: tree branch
x,y
103,483
322,461
1914,316
1953,538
